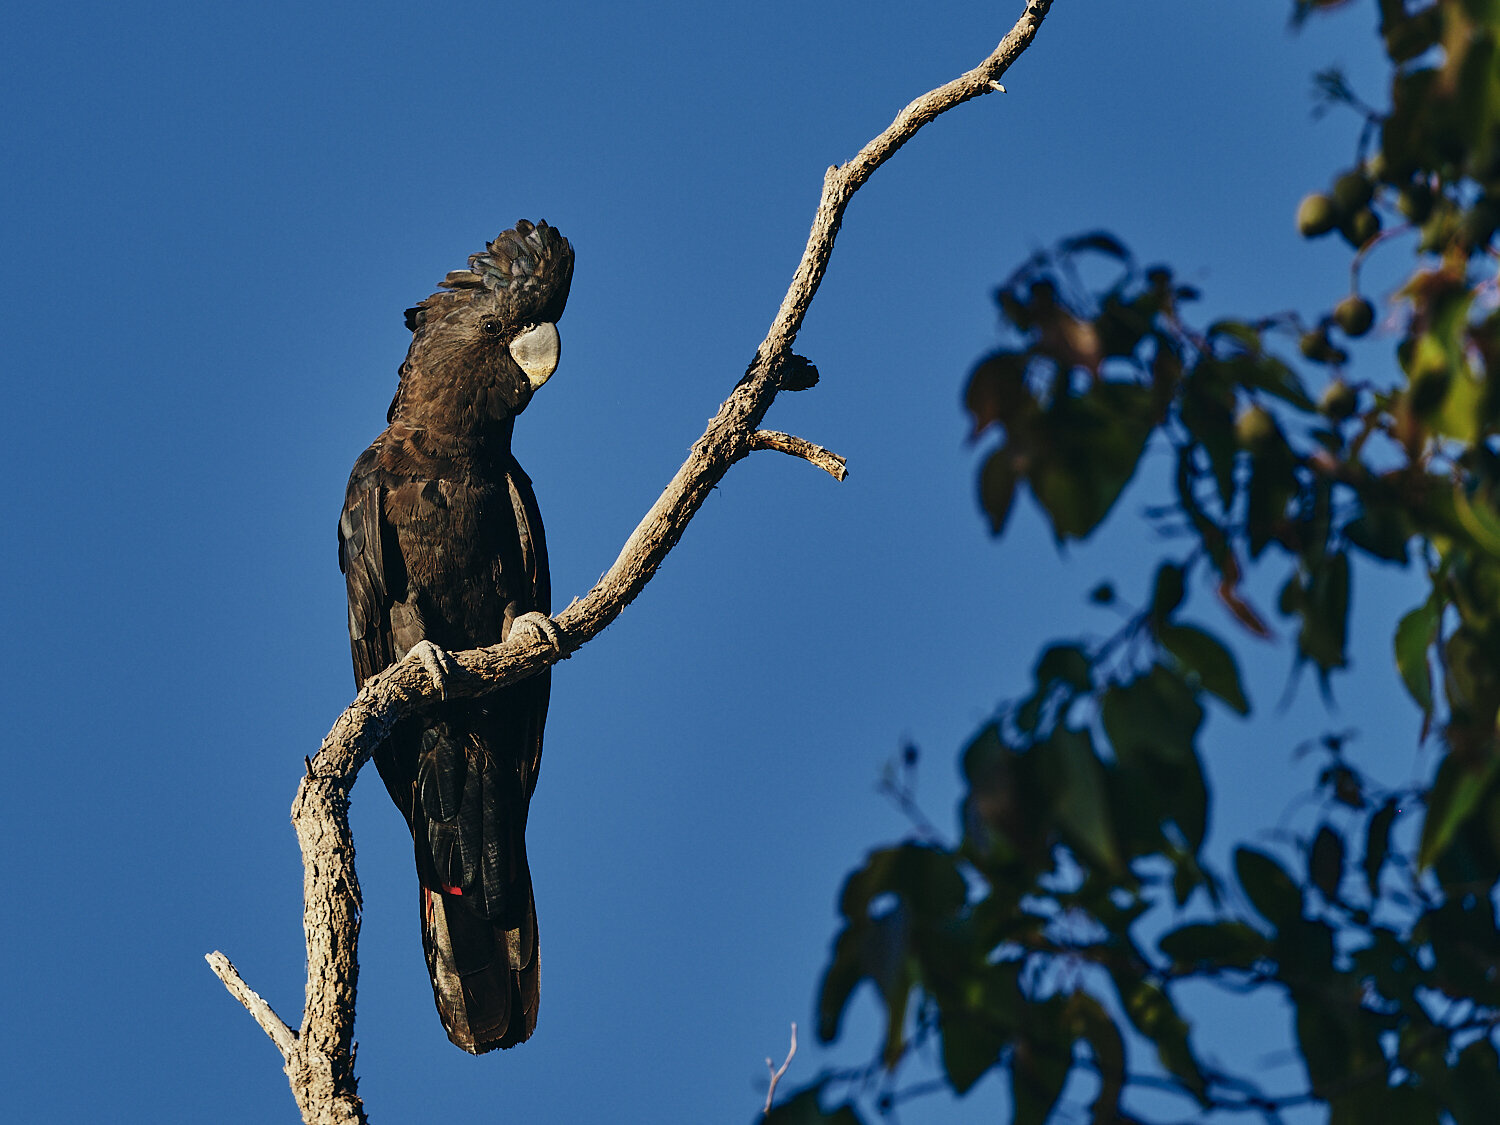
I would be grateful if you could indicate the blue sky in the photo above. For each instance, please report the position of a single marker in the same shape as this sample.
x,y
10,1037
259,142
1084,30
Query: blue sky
x,y
214,216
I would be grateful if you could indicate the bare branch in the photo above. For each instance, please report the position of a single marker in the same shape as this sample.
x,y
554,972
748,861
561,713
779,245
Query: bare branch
x,y
320,1056
777,1073
283,1036
321,1070
841,182
824,459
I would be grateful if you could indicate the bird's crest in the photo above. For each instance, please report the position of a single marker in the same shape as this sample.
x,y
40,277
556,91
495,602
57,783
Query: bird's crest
x,y
525,271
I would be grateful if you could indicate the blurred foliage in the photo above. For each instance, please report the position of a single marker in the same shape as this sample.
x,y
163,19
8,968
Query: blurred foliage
x,y
1018,950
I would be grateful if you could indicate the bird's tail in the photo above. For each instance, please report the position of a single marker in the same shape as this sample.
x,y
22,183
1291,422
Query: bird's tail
x,y
478,911
486,978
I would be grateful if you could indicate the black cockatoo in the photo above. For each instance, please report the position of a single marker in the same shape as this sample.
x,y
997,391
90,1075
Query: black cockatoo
x,y
441,547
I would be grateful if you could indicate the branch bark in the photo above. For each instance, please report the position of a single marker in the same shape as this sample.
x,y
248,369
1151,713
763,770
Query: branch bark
x,y
319,1056
824,459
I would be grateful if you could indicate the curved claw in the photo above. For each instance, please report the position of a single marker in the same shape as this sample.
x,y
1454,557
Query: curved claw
x,y
439,664
541,626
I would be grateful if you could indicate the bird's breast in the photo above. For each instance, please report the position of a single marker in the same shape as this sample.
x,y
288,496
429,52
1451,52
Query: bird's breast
x,y
466,544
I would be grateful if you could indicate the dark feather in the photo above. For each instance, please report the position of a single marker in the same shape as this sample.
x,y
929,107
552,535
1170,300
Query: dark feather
x,y
441,540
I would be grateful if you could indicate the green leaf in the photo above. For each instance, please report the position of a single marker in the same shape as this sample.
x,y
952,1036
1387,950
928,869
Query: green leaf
x,y
1471,674
1088,1021
1378,844
1382,529
1325,862
804,1108
1039,1064
970,1049
874,949
1074,774
1167,592
1153,718
1414,635
1407,137
986,754
1207,410
886,945
1271,487
1065,664
1204,656
1422,1050
1152,724
1479,519
1392,967
1459,416
1303,951
1269,888
1244,335
1099,241
997,392
1000,830
1464,936
997,489
1406,37
1187,876
1348,789
1123,325
1272,375
1321,598
923,892
1338,1041
1206,946
1475,1090
979,1016
923,876
1375,1103
844,972
1152,1013
1087,449
1460,783
1166,367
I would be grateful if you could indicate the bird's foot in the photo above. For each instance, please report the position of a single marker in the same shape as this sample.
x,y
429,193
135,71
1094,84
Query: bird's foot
x,y
539,625
439,664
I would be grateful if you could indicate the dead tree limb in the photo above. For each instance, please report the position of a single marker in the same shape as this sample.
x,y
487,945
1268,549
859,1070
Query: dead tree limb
x,y
319,1055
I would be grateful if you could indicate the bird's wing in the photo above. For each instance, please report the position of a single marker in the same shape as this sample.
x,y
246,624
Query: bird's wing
x,y
463,775
364,541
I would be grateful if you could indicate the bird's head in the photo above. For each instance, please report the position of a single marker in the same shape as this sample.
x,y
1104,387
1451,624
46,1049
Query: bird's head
x,y
482,346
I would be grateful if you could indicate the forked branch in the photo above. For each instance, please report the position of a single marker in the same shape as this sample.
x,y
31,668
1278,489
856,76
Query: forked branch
x,y
319,1055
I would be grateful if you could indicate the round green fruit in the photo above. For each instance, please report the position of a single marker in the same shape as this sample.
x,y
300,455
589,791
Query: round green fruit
x,y
1360,227
1255,429
1354,316
1351,191
1316,216
1416,202
1316,346
1339,401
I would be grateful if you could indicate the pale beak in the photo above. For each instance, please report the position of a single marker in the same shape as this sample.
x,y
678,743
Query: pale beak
x,y
536,351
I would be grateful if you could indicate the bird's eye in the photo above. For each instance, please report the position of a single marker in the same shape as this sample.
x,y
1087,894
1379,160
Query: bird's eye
x,y
490,328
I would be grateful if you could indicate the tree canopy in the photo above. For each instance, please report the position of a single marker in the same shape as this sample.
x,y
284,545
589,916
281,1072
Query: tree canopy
x,y
1052,934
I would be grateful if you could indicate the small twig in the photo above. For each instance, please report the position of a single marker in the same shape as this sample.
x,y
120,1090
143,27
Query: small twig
x,y
919,1090
829,462
776,1072
1364,251
283,1036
